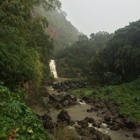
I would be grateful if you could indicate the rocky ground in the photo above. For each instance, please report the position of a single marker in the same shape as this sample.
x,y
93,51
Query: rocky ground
x,y
88,128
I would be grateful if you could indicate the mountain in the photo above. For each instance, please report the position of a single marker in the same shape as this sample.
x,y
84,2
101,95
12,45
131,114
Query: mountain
x,y
60,29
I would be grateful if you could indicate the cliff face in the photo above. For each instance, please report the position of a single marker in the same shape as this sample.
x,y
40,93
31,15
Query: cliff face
x,y
60,29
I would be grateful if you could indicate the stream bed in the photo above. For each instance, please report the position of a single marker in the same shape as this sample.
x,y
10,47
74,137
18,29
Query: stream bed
x,y
79,112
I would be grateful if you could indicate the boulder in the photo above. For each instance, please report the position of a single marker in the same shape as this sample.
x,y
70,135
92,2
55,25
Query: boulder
x,y
92,109
129,123
64,116
48,125
59,106
65,103
101,136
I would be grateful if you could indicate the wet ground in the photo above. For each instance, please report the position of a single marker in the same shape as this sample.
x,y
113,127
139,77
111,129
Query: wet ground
x,y
79,112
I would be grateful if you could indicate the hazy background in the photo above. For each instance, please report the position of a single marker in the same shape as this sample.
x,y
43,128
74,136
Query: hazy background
x,y
91,16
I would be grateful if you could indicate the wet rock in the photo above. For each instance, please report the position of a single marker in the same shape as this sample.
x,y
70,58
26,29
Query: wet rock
x,y
108,118
98,105
99,115
83,123
71,122
91,120
78,126
87,99
65,103
47,121
97,123
63,116
114,127
68,85
48,125
86,119
59,106
137,133
46,117
92,109
72,102
122,116
92,130
101,136
117,120
57,98
104,110
129,123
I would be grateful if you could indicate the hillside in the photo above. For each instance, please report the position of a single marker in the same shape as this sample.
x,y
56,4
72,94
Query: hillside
x,y
60,29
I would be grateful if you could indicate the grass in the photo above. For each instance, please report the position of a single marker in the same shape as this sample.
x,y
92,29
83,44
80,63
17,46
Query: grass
x,y
65,133
127,94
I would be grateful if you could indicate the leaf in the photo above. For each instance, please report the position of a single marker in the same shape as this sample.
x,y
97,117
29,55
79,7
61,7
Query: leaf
x,y
29,130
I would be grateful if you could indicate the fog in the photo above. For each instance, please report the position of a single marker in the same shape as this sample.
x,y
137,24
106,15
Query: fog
x,y
91,16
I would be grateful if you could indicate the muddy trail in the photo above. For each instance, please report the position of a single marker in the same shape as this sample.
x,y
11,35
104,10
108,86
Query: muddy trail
x,y
89,118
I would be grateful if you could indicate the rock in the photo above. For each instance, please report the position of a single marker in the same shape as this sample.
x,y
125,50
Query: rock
x,y
59,106
107,118
117,120
101,136
71,102
99,115
63,116
92,130
137,133
129,123
48,125
87,99
78,126
114,127
85,121
91,120
65,103
92,109
46,117
71,122
97,123
98,105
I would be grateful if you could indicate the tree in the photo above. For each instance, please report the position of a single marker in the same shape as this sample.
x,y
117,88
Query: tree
x,y
123,53
23,42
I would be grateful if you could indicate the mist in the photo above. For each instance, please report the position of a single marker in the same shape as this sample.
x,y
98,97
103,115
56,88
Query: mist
x,y
91,16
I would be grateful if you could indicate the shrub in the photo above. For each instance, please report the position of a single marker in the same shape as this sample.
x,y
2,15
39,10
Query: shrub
x,y
17,120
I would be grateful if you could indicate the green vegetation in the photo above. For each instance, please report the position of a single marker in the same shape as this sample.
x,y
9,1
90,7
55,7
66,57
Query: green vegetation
x,y
65,133
17,121
128,95
120,59
24,45
74,59
25,49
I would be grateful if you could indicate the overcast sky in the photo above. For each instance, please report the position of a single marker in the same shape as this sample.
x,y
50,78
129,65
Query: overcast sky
x,y
91,16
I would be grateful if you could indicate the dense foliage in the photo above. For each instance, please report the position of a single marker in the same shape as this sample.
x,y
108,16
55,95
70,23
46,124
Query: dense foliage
x,y
74,59
24,46
17,121
24,57
120,60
